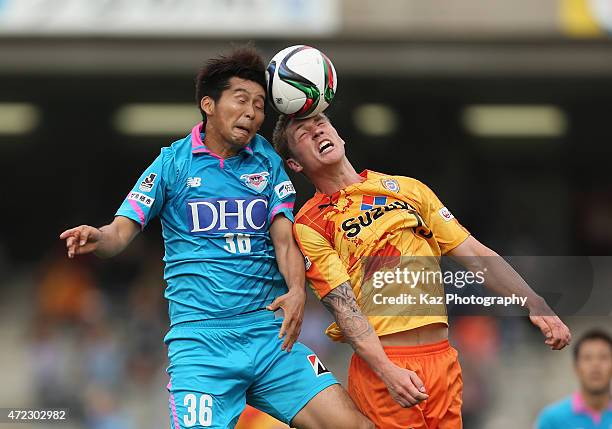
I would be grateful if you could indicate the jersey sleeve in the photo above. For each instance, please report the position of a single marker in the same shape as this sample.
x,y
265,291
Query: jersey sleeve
x,y
146,198
447,230
544,421
324,268
282,195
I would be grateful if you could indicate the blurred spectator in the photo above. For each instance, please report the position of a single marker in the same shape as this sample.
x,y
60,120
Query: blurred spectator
x,y
591,405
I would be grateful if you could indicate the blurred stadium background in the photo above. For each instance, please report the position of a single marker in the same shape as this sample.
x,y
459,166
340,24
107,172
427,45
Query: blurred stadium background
x,y
502,107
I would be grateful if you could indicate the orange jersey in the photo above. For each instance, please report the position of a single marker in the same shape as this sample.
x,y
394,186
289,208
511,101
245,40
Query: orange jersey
x,y
378,225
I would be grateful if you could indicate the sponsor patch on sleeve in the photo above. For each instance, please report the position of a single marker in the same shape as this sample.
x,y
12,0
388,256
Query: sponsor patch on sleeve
x,y
147,184
141,198
307,263
284,189
446,214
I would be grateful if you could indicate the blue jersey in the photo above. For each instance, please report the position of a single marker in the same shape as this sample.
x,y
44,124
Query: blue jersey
x,y
573,413
215,215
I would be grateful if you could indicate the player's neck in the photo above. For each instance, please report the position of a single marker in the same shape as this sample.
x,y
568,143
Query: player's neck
x,y
596,401
335,178
215,143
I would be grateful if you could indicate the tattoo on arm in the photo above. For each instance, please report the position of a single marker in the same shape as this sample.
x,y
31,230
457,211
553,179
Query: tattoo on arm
x,y
342,304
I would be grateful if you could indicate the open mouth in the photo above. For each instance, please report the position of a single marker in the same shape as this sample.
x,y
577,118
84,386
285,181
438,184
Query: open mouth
x,y
244,130
325,146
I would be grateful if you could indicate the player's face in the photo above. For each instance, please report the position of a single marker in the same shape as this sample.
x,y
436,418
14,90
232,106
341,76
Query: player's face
x,y
238,113
314,144
594,366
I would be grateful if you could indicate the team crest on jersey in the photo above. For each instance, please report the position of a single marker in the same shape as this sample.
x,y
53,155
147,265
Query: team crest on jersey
x,y
446,214
390,185
317,366
256,181
147,184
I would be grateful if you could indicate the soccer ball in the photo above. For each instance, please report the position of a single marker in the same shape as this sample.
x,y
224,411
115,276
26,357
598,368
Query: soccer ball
x,y
301,81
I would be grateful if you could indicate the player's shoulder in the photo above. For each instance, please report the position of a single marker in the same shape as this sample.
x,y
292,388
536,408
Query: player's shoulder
x,y
556,412
180,148
398,183
311,211
259,145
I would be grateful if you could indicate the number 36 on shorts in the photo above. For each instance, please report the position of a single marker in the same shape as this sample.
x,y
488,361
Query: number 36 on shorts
x,y
199,410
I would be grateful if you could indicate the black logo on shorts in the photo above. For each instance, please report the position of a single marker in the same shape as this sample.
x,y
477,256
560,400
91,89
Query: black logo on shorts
x,y
317,366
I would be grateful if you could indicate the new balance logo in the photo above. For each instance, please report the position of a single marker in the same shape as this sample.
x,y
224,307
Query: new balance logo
x,y
194,182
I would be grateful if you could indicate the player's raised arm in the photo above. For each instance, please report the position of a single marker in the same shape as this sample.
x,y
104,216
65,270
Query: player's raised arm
x,y
405,387
105,241
291,265
504,280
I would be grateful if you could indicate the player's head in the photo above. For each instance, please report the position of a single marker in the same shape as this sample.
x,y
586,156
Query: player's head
x,y
230,92
593,361
308,145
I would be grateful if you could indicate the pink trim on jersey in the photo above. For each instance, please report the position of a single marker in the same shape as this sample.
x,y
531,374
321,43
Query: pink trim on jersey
x,y
173,406
197,146
579,406
278,207
138,211
248,149
196,140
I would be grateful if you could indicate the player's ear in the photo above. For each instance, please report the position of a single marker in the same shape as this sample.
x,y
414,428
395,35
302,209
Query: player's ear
x,y
294,165
207,104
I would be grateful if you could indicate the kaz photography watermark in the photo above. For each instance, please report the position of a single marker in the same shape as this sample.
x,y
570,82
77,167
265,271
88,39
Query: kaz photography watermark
x,y
422,287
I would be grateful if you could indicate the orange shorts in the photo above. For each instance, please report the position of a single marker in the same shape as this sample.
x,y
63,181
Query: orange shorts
x,y
436,365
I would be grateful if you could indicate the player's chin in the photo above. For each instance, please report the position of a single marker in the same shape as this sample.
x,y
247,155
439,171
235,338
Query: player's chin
x,y
242,138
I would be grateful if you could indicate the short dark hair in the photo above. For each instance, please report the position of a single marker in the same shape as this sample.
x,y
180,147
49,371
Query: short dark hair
x,y
243,62
594,334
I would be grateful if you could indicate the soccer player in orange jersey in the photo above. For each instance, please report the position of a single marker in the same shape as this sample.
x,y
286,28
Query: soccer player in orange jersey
x,y
404,374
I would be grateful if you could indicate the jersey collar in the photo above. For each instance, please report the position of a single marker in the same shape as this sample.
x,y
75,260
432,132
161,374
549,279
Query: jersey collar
x,y
198,146
580,407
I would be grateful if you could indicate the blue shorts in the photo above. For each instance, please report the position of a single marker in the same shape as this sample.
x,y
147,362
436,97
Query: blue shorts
x,y
219,365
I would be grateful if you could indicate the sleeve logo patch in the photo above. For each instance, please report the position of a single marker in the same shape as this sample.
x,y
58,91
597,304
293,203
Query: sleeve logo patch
x,y
307,263
446,214
141,198
284,189
147,184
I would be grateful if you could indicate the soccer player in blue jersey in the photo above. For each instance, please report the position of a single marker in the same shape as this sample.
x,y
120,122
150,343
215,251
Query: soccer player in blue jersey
x,y
225,204
591,406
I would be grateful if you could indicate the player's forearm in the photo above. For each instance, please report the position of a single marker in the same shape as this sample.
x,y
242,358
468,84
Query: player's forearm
x,y
356,328
288,256
291,266
501,278
115,238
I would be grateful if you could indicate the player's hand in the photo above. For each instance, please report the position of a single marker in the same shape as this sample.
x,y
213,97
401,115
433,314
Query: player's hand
x,y
292,304
404,385
82,239
557,334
